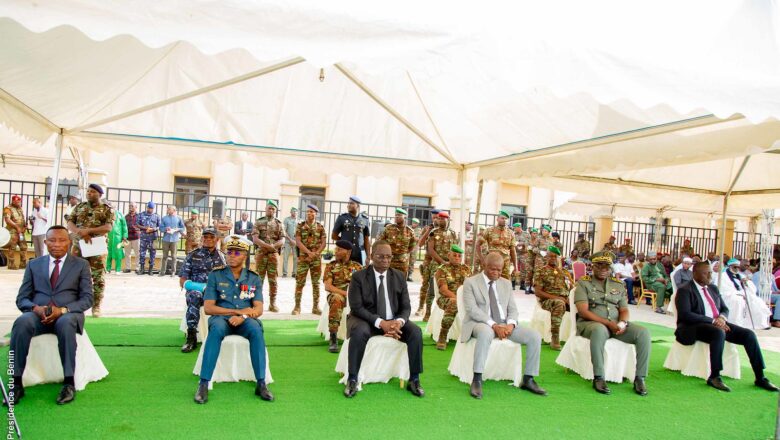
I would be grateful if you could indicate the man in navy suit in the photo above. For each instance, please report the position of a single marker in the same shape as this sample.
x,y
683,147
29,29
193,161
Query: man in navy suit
x,y
55,292
703,316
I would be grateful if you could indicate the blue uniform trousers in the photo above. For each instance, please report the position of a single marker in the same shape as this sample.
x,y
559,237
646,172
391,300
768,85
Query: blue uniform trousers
x,y
219,327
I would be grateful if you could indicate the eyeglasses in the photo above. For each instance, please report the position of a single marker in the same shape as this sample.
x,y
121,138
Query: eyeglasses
x,y
383,256
234,252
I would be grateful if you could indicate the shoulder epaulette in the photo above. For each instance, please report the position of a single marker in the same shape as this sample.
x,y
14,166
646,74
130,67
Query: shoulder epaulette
x,y
252,272
585,278
217,268
615,279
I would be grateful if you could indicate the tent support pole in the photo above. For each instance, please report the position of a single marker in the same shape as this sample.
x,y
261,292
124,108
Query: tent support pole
x,y
476,226
723,217
463,213
55,180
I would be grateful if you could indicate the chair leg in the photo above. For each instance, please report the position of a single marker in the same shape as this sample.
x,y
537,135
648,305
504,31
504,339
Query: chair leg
x,y
402,382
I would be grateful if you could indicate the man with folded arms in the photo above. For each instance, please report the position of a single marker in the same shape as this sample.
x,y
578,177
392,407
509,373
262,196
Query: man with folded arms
x,y
703,316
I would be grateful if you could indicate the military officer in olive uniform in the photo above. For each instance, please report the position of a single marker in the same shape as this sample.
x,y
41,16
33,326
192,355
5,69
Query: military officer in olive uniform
x,y
425,267
15,223
687,249
194,231
582,246
197,266
234,301
522,242
539,248
338,274
501,239
610,246
441,239
602,313
626,248
223,226
416,230
533,234
401,239
353,227
90,219
552,292
449,277
310,238
268,236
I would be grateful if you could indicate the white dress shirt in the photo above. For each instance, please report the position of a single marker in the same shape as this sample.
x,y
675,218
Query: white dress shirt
x,y
625,269
501,310
388,311
39,225
707,309
51,263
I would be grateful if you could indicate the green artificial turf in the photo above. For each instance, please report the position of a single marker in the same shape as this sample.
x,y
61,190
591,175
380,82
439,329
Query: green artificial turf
x,y
148,394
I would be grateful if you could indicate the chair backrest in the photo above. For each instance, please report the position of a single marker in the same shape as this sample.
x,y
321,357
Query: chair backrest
x,y
461,309
642,283
435,290
572,315
674,285
579,268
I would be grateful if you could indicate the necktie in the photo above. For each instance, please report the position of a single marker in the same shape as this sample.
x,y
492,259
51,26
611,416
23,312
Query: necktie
x,y
382,307
55,274
711,302
494,311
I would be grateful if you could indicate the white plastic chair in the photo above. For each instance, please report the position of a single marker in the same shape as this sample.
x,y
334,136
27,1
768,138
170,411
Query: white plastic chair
x,y
203,325
504,360
233,363
44,364
694,360
619,357
384,359
540,321
672,308
322,325
437,314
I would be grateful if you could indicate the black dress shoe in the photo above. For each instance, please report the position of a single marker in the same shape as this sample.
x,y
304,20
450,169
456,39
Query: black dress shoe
x,y
533,387
476,389
67,394
415,388
718,384
15,398
202,395
600,385
264,393
640,387
765,384
351,389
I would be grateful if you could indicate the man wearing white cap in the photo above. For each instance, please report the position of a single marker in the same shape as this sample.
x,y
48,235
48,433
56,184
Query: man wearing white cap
x,y
683,274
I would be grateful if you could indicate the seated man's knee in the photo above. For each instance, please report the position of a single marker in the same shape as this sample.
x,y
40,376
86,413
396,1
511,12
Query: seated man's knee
x,y
218,326
599,331
67,320
26,321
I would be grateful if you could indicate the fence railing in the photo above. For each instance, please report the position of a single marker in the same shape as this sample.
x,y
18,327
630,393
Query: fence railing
x,y
568,229
741,244
642,236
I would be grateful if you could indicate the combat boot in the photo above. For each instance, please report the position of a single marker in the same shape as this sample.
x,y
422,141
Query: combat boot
x,y
315,309
272,306
191,342
441,344
333,347
297,309
555,342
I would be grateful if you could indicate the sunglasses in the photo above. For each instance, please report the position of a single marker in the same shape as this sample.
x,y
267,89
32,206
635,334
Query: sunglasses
x,y
234,252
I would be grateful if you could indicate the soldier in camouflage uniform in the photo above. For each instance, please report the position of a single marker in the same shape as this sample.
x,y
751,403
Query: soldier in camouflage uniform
x,y
401,239
338,274
626,248
539,248
501,239
582,246
90,219
552,293
449,277
197,266
425,274
529,273
522,243
269,238
194,231
556,241
310,239
441,239
223,225
15,223
687,249
610,246
602,313
413,253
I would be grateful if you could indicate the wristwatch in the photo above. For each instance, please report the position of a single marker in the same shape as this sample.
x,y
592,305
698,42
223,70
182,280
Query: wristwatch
x,y
63,310
244,316
622,325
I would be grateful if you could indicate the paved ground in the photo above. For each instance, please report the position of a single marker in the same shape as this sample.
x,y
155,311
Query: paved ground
x,y
136,296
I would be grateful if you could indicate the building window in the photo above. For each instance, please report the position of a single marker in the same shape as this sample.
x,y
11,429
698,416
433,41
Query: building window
x,y
313,195
190,192
416,201
516,214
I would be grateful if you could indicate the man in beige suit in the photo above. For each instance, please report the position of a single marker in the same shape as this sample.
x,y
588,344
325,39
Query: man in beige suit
x,y
490,312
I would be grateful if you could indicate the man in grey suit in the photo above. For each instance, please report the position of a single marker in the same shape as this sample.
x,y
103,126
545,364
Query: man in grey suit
x,y
55,292
490,312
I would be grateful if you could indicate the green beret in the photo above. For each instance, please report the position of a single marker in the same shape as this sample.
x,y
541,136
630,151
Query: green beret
x,y
400,211
503,214
194,211
554,250
517,225
415,220
456,248
548,227
534,230
272,203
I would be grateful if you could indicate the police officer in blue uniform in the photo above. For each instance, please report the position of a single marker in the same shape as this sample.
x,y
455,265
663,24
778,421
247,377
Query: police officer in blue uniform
x,y
353,227
234,299
149,224
197,266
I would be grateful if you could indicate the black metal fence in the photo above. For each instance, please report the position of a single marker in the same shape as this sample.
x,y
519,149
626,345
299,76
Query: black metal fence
x,y
642,237
741,244
568,229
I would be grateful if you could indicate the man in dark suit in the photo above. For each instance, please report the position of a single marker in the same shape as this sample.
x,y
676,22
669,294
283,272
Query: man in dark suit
x,y
379,303
244,227
703,316
55,292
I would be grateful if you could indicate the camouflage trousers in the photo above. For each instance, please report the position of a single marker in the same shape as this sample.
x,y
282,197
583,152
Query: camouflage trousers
x,y
336,304
97,267
265,266
304,267
450,307
11,250
425,273
535,263
194,299
556,307
522,266
147,245
402,265
506,272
